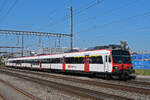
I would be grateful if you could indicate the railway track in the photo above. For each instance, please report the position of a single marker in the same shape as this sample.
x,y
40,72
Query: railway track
x,y
139,83
72,90
2,97
96,83
70,79
18,90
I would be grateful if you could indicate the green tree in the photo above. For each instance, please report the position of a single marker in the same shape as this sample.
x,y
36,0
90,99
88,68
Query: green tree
x,y
124,45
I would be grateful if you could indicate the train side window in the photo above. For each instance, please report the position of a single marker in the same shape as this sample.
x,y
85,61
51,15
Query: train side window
x,y
96,60
48,60
53,60
99,60
58,60
81,60
93,60
35,62
76,60
25,61
45,60
68,60
72,60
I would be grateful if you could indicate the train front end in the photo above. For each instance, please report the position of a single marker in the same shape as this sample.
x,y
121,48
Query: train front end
x,y
122,64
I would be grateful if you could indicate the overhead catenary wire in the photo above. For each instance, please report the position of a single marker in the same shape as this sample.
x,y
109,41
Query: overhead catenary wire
x,y
116,21
3,5
109,23
76,12
57,9
16,26
92,4
135,30
109,11
101,38
132,31
52,24
51,14
9,10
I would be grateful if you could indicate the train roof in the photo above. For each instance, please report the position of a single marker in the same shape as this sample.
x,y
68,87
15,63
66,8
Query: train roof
x,y
110,47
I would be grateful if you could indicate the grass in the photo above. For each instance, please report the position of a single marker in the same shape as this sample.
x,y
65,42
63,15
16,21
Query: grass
x,y
142,72
2,64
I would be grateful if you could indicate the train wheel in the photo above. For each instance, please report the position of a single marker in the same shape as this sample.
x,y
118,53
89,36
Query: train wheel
x,y
124,77
121,77
107,76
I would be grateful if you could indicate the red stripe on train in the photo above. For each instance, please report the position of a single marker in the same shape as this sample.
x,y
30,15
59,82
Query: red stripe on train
x,y
40,65
64,64
86,64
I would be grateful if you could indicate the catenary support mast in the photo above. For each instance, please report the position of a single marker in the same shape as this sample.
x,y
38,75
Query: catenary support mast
x,y
71,28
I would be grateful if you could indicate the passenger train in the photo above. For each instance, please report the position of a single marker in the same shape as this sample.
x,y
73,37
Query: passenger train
x,y
109,63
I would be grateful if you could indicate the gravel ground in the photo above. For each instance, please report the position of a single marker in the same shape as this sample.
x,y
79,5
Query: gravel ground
x,y
42,92
124,83
143,78
1,98
13,94
132,95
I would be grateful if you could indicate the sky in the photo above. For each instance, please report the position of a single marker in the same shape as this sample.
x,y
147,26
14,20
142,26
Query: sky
x,y
95,22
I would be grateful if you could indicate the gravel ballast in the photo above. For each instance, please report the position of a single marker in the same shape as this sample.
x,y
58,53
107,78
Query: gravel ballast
x,y
43,92
96,88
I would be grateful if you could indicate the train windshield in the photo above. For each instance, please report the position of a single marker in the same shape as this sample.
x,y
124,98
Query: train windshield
x,y
120,56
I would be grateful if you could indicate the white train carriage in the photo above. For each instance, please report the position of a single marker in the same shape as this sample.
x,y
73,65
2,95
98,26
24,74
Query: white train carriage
x,y
95,61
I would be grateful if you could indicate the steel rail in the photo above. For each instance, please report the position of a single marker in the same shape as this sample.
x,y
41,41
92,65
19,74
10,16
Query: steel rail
x,y
73,90
95,83
20,90
3,97
139,83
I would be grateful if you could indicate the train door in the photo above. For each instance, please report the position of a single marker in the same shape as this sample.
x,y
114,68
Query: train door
x,y
86,64
63,64
40,62
107,63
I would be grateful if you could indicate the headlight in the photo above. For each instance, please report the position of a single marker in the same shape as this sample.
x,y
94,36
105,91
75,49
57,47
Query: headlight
x,y
115,67
129,68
